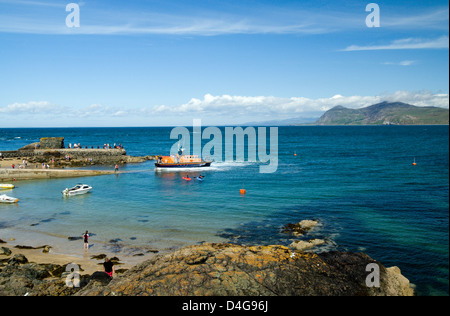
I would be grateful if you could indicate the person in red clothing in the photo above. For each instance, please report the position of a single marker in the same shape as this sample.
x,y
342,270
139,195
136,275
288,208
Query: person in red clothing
x,y
86,241
108,267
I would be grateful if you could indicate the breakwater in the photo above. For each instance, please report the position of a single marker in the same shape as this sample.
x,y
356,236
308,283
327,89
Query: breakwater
x,y
78,153
29,174
52,151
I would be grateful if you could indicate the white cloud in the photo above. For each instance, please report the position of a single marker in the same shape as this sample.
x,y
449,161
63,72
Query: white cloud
x,y
200,26
406,43
32,107
223,106
33,3
259,105
436,18
269,19
401,63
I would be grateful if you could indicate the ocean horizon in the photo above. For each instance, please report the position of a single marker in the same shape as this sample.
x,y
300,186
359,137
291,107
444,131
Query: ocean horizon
x,y
357,181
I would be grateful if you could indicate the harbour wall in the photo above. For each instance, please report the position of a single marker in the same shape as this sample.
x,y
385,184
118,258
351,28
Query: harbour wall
x,y
62,153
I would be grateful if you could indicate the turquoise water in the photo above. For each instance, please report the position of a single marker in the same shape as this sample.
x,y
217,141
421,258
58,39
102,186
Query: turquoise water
x,y
358,181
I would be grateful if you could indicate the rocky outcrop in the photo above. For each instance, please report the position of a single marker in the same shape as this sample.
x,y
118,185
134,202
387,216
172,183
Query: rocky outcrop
x,y
218,270
51,142
300,228
227,269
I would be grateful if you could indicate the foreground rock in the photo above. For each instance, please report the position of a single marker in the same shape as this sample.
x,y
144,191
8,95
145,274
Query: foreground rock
x,y
220,270
228,270
306,244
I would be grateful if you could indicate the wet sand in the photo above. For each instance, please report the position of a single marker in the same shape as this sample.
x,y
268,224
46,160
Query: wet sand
x,y
63,251
87,265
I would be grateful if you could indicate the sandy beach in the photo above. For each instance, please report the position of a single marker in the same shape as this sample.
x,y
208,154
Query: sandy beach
x,y
65,252
88,266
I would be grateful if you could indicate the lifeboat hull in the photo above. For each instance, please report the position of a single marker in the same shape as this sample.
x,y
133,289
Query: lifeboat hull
x,y
183,165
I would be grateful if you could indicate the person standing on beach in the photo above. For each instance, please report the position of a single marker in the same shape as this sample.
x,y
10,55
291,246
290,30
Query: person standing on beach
x,y
86,241
108,267
116,168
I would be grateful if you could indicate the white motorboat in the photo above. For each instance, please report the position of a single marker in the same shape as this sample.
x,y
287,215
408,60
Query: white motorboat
x,y
7,199
78,189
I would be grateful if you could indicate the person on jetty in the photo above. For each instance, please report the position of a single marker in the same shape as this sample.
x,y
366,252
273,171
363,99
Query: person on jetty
x,y
108,267
86,241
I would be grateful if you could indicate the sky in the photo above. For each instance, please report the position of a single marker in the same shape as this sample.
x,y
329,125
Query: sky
x,y
226,62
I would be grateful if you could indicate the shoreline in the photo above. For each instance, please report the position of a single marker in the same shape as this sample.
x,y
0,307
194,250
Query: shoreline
x,y
60,252
32,174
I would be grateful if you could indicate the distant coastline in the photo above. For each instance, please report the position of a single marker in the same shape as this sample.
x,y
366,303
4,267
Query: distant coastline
x,y
384,113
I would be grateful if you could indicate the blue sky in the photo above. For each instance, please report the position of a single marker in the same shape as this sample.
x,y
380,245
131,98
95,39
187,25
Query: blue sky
x,y
153,63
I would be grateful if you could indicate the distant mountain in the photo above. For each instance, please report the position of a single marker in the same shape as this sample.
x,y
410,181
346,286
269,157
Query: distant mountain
x,y
387,113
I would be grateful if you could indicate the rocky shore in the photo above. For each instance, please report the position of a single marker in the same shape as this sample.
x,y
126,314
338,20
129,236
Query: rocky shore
x,y
212,269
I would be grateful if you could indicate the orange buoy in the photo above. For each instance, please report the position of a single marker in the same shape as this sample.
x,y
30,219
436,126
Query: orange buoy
x,y
242,191
414,164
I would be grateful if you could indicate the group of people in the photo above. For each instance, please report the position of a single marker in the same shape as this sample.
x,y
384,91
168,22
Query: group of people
x,y
108,266
108,146
105,146
24,165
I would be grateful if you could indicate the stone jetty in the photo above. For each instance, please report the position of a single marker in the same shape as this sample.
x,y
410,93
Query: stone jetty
x,y
49,159
30,174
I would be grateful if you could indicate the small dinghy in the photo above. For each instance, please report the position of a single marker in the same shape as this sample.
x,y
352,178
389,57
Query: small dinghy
x,y
6,186
77,190
7,199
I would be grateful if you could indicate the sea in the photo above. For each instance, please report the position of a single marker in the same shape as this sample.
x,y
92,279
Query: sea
x,y
359,182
